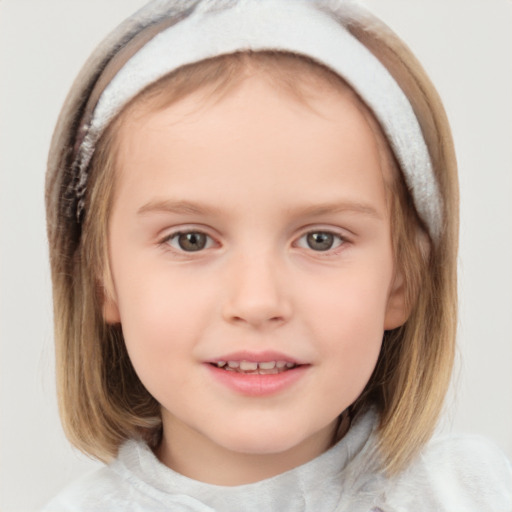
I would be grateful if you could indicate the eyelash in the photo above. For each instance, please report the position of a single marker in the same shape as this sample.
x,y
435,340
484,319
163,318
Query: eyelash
x,y
336,238
302,242
196,233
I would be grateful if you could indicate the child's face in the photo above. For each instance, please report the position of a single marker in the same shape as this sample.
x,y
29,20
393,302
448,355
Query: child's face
x,y
252,228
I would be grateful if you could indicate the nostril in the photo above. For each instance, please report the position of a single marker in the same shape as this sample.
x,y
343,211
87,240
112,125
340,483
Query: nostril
x,y
257,318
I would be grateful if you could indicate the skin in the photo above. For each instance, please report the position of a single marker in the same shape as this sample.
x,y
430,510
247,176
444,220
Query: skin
x,y
255,171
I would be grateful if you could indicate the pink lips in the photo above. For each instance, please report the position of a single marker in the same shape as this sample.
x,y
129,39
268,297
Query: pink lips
x,y
257,384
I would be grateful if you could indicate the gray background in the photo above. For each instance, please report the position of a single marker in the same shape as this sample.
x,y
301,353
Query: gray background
x,y
466,45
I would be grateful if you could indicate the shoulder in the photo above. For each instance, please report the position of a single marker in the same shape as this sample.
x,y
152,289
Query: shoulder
x,y
460,474
92,492
112,487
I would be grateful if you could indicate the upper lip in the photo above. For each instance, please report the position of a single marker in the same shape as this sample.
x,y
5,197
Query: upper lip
x,y
257,357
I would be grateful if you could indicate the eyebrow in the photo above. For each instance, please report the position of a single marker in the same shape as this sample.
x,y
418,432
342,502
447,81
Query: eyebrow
x,y
176,207
317,210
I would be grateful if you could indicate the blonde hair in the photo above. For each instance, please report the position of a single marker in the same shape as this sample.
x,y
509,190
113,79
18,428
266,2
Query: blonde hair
x,y
102,401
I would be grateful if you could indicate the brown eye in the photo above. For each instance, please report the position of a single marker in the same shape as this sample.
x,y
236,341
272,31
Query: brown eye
x,y
320,241
192,241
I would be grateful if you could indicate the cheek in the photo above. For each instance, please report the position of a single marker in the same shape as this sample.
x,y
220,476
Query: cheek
x,y
351,306
163,320
162,317
153,334
347,318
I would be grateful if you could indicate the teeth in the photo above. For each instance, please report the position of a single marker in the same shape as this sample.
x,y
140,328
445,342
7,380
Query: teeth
x,y
247,366
264,367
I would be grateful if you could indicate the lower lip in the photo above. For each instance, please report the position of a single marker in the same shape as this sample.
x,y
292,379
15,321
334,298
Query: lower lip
x,y
256,384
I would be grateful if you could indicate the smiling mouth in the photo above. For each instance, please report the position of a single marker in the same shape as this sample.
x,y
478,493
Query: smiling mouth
x,y
255,368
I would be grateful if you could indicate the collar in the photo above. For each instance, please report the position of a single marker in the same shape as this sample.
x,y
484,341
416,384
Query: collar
x,y
317,485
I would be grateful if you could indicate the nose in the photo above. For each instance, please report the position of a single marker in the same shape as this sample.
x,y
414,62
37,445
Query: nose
x,y
257,295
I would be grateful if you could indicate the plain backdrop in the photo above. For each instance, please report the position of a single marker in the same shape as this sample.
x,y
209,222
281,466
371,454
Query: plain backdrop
x,y
465,45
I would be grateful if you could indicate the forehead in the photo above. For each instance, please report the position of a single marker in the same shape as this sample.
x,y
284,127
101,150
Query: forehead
x,y
296,76
256,145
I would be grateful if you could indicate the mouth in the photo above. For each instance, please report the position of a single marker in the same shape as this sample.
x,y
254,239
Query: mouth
x,y
257,374
255,367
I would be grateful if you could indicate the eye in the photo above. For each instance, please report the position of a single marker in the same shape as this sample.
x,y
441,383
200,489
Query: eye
x,y
320,241
190,241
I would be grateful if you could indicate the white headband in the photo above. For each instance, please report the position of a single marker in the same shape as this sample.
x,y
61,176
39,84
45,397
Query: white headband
x,y
300,26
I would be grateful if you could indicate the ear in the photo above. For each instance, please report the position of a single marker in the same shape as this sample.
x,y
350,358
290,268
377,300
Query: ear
x,y
108,299
111,311
397,308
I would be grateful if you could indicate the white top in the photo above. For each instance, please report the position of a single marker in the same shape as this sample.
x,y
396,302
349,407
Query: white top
x,y
452,474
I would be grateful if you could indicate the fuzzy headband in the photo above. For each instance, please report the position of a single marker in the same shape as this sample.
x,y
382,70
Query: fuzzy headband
x,y
167,34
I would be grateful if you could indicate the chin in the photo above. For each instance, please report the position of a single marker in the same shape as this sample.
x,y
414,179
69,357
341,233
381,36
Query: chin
x,y
272,440
261,446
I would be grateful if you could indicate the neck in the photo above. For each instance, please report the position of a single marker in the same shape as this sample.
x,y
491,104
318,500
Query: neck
x,y
189,453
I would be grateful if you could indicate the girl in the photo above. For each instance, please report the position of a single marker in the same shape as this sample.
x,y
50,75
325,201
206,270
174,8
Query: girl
x,y
252,214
